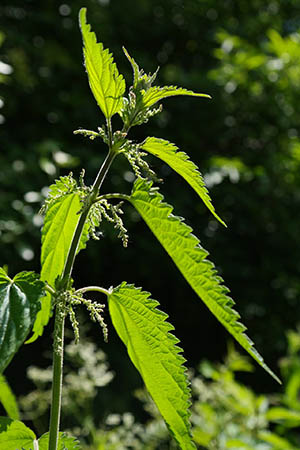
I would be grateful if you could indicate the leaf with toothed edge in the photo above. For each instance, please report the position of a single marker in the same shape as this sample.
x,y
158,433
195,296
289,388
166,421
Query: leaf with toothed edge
x,y
190,258
106,83
59,226
180,162
157,93
153,351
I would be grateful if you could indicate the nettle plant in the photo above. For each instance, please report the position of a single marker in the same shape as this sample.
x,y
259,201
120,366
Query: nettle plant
x,y
73,213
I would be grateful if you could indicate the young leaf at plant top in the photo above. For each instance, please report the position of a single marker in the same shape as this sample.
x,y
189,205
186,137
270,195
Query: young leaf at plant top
x,y
153,351
60,222
107,85
180,162
19,305
157,93
190,258
8,400
139,107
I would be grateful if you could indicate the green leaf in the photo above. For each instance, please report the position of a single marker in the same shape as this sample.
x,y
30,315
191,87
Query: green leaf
x,y
104,79
190,258
19,305
237,444
157,93
277,442
60,223
14,435
65,442
283,414
135,68
180,162
153,351
8,399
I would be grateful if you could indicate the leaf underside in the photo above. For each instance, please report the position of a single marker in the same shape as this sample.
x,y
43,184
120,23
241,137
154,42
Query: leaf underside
x,y
180,162
19,305
59,226
153,351
190,258
106,84
157,93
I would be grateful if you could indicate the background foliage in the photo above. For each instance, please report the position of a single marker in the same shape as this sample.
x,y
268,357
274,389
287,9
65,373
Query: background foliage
x,y
245,141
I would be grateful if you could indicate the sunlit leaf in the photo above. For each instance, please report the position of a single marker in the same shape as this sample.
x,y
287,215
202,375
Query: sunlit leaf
x,y
190,258
60,223
107,85
277,442
14,435
180,162
157,93
8,399
65,442
283,414
153,351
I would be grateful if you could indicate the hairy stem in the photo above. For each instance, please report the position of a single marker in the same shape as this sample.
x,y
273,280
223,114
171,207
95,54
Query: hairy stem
x,y
77,235
58,343
58,351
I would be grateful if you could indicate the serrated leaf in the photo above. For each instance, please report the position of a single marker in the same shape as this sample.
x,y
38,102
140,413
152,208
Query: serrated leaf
x,y
8,399
180,162
190,258
135,67
19,305
153,351
157,93
65,442
14,435
59,225
107,85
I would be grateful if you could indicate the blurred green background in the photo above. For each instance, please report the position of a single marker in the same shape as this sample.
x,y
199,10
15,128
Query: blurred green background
x,y
245,140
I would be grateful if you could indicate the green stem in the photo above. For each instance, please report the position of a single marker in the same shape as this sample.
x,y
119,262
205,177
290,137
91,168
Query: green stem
x,y
77,235
113,196
58,343
93,289
58,351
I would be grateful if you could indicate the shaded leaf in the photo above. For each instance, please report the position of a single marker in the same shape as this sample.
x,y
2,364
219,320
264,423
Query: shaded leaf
x,y
106,83
153,351
190,258
19,305
180,162
8,399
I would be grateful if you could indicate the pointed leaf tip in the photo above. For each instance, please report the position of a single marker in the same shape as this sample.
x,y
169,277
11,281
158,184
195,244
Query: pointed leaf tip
x,y
181,163
107,85
190,258
154,352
